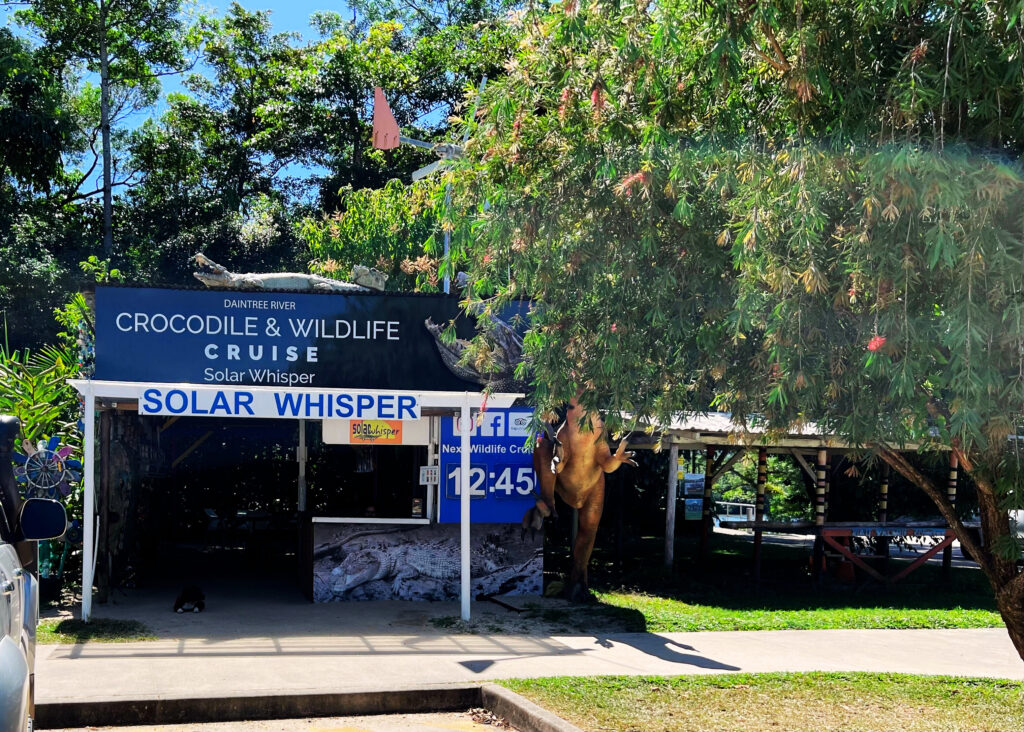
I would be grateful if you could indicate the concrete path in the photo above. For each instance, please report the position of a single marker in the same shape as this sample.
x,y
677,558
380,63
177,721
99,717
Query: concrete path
x,y
438,722
207,667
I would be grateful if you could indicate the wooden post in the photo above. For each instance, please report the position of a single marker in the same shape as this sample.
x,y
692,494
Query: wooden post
x,y
883,511
883,495
762,482
670,506
819,512
828,485
947,553
709,479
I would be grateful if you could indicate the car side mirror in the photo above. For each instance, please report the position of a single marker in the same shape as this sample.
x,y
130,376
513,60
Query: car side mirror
x,y
43,518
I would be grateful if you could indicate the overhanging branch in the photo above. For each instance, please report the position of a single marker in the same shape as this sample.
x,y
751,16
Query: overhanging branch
x,y
901,465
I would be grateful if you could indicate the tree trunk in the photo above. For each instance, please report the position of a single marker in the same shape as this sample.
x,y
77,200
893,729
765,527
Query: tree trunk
x,y
108,196
1010,602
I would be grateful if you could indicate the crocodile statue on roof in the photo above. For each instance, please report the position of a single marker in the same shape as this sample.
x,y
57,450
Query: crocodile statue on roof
x,y
212,274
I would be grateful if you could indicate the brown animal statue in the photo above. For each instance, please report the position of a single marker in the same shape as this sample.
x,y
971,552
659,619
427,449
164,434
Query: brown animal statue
x,y
574,464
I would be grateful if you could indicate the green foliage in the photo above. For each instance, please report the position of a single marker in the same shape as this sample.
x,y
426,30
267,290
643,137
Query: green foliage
x,y
129,44
274,129
786,497
77,31
423,78
35,125
213,168
383,228
811,214
263,136
678,229
429,18
33,388
100,270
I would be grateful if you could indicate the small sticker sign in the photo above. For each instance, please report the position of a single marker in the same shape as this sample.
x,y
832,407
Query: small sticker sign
x,y
375,432
430,474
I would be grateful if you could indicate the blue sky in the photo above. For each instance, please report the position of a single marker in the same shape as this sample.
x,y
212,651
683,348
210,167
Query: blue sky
x,y
286,15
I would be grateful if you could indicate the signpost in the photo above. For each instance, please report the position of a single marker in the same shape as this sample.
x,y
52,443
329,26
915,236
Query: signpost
x,y
502,484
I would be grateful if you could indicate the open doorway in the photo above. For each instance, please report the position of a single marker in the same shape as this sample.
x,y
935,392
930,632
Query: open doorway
x,y
217,510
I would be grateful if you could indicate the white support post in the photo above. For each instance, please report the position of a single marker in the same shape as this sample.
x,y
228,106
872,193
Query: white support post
x,y
301,455
670,506
432,460
89,509
465,430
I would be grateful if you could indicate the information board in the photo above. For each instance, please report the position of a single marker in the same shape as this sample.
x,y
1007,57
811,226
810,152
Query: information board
x,y
693,509
274,339
693,484
502,483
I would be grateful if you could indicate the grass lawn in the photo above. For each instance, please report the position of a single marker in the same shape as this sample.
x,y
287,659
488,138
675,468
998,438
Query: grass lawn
x,y
97,629
719,594
666,614
779,702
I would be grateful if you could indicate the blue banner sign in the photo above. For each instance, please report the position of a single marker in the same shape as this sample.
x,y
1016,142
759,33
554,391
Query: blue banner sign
x,y
875,531
278,340
502,483
302,403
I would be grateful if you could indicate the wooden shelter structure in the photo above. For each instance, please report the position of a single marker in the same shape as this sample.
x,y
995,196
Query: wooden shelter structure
x,y
723,442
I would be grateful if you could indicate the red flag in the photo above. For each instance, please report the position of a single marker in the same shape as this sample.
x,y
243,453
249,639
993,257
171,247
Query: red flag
x,y
385,128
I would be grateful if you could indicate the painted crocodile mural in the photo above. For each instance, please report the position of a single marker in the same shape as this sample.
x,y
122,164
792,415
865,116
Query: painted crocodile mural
x,y
401,564
378,562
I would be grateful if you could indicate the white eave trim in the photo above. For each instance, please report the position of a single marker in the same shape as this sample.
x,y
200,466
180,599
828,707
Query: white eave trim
x,y
429,399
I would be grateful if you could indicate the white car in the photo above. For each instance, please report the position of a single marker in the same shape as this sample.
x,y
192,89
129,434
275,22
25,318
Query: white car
x,y
1016,526
21,524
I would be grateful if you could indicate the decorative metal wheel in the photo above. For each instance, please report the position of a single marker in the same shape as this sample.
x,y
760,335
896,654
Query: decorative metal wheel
x,y
46,469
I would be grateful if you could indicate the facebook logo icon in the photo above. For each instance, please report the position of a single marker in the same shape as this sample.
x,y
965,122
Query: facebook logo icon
x,y
491,424
498,423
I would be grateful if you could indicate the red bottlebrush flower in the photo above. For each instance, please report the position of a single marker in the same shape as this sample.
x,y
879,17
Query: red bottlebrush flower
x,y
597,98
614,328
566,93
488,258
516,126
626,186
876,343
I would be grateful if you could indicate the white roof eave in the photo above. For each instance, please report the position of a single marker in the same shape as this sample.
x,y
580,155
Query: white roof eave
x,y
430,399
